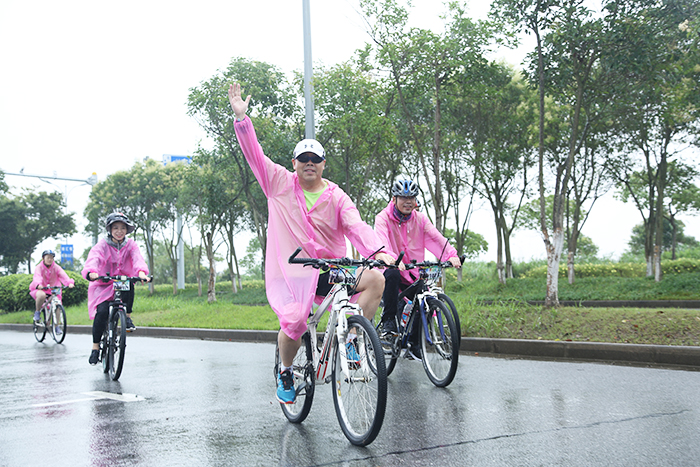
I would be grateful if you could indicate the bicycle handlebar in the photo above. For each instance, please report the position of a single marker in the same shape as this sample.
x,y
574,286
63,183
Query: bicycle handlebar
x,y
426,264
109,277
326,262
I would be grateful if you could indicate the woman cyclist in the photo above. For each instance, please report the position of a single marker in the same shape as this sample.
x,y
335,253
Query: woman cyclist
x,y
47,274
113,255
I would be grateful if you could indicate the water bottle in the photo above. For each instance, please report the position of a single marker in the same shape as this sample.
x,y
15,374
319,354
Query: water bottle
x,y
406,312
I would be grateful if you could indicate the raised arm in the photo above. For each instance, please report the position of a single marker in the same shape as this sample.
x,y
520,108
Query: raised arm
x,y
238,105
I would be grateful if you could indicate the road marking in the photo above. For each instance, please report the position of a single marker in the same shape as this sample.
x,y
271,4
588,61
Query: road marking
x,y
96,395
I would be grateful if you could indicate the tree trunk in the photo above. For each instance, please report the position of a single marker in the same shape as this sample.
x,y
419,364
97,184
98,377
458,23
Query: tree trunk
x,y
570,267
554,248
211,285
499,252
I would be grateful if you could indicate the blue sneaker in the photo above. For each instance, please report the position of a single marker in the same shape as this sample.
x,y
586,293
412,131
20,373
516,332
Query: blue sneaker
x,y
37,317
352,355
285,388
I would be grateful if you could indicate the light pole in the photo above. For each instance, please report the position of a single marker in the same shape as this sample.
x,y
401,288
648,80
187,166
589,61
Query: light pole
x,y
308,72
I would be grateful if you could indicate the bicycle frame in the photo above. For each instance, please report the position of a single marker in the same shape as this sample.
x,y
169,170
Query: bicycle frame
x,y
338,304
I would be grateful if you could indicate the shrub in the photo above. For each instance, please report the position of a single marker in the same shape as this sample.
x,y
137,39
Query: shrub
x,y
7,295
23,301
77,294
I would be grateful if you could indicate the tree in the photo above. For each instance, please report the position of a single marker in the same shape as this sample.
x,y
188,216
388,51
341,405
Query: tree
x,y
278,125
210,192
497,117
28,220
657,105
426,69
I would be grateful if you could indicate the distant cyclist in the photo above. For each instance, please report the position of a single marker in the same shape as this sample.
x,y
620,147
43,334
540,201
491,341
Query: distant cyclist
x,y
47,274
113,255
309,211
403,228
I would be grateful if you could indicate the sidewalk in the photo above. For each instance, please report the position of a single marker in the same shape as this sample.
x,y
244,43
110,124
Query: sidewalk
x,y
686,357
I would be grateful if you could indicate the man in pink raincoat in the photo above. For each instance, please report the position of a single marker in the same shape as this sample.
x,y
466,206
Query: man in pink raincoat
x,y
403,228
47,274
307,211
114,255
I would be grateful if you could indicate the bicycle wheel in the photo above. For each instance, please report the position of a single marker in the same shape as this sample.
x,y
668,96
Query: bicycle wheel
x,y
40,329
360,396
117,343
391,345
104,354
448,301
440,354
304,381
59,321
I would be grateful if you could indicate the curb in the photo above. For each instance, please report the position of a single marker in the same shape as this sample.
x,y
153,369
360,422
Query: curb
x,y
661,355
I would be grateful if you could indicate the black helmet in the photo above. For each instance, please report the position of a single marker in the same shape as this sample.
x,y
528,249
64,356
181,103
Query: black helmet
x,y
48,252
407,188
119,217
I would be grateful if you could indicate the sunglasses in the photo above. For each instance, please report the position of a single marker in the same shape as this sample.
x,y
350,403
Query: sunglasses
x,y
304,158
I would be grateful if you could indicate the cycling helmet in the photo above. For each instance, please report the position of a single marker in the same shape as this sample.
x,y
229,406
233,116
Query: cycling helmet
x,y
407,188
119,217
48,252
309,145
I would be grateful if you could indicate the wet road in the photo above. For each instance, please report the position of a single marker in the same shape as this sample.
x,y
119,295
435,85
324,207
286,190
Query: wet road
x,y
190,402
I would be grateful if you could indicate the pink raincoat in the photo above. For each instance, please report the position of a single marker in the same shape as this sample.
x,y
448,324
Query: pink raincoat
x,y
103,259
320,232
412,237
53,275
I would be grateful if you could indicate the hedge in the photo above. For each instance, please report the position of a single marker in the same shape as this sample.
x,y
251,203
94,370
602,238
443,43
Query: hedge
x,y
677,266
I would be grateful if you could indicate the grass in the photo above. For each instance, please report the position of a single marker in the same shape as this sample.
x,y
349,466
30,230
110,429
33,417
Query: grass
x,y
509,316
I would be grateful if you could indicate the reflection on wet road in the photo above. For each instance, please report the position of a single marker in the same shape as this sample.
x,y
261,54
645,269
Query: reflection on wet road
x,y
189,402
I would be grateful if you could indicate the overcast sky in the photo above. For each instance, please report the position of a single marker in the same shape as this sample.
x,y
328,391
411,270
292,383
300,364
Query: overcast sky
x,y
91,86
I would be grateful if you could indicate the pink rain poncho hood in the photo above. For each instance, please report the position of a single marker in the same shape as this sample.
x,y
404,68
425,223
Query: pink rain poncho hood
x,y
104,259
53,275
412,237
320,232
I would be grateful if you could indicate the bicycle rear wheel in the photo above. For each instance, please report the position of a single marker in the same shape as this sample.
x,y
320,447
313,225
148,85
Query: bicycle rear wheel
x,y
117,344
441,353
40,329
304,381
391,346
360,396
59,321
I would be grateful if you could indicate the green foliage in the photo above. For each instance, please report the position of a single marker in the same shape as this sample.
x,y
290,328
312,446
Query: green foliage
x,y
8,299
26,221
23,301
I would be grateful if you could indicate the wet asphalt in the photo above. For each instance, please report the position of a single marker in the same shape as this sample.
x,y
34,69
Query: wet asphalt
x,y
211,403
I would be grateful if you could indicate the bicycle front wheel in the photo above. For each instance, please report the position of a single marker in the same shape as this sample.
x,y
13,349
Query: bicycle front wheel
x,y
450,304
58,326
360,395
40,329
304,381
440,345
104,350
117,343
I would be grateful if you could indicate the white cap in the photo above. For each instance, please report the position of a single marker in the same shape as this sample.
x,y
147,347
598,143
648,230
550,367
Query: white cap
x,y
309,145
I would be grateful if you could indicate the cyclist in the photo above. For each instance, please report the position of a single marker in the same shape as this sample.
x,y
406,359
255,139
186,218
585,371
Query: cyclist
x,y
309,211
403,228
113,255
47,274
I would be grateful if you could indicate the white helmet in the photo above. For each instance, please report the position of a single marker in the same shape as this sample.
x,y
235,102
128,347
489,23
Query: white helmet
x,y
309,145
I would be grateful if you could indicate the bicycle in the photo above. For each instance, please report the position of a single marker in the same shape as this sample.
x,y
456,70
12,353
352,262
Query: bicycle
x,y
52,316
113,342
359,390
440,337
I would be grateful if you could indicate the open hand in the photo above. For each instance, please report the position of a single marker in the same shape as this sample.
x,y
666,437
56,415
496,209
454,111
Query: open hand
x,y
238,105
